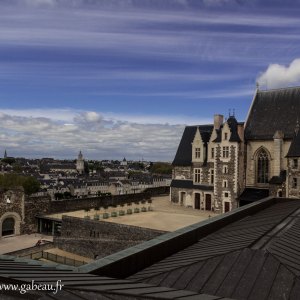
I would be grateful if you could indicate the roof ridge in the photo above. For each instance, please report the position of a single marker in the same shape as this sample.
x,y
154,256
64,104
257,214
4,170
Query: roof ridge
x,y
278,89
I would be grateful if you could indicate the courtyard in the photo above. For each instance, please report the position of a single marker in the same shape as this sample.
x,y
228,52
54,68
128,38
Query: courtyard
x,y
163,215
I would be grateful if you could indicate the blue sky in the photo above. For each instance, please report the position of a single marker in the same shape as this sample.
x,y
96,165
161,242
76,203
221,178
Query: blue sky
x,y
122,78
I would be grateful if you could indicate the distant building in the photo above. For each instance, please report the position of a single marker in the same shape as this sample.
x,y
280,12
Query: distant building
x,y
80,163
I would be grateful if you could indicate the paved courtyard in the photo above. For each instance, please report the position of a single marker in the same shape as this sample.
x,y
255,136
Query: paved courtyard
x,y
165,215
14,243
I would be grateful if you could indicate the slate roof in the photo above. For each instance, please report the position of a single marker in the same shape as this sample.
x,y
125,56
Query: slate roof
x,y
183,155
273,110
253,194
256,257
79,285
278,179
294,150
188,184
233,125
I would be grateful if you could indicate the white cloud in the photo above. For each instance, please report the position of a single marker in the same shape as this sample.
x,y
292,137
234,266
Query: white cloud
x,y
41,133
277,75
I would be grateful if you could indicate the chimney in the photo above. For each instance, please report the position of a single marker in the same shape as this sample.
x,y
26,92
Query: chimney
x,y
218,121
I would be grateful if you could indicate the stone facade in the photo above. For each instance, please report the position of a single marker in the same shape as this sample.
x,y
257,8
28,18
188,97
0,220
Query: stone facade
x,y
100,238
209,180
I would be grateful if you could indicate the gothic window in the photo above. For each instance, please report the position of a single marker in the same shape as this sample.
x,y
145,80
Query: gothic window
x,y
197,152
212,152
262,167
225,136
197,175
225,183
225,170
226,152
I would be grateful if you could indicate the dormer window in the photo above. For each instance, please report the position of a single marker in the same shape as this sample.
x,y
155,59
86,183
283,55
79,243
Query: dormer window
x,y
225,136
197,152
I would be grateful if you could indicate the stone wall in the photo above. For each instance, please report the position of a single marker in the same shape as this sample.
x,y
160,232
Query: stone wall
x,y
90,238
229,177
182,173
35,206
12,206
78,204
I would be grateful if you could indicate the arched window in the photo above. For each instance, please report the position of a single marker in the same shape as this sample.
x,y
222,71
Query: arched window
x,y
262,167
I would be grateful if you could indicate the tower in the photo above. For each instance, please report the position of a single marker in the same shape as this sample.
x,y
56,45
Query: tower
x,y
80,163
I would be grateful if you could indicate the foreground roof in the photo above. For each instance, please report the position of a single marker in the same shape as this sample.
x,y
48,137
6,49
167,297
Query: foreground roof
x,y
249,253
273,110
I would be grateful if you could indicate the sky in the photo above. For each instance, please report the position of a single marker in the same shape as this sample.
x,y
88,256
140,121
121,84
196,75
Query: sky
x,y
117,78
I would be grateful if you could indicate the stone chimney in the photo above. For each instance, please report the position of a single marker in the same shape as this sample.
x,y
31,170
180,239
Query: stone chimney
x,y
278,141
218,121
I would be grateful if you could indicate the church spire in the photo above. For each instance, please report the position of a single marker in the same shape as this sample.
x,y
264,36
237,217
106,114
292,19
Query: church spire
x,y
5,154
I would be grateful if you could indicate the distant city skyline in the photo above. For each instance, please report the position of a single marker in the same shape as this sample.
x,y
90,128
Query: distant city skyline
x,y
117,78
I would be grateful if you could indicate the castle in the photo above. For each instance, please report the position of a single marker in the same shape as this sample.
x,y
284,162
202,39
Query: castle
x,y
226,164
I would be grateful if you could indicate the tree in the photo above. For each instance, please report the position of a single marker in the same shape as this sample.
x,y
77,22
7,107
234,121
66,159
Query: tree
x,y
161,168
31,185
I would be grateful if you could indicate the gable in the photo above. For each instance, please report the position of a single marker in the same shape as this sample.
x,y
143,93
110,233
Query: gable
x,y
183,155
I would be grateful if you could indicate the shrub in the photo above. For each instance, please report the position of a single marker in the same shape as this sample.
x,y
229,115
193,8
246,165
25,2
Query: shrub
x,y
105,215
129,211
144,209
121,213
96,217
114,214
136,210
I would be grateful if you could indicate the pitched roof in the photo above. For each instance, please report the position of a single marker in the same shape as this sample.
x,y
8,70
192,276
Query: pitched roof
x,y
183,155
253,258
294,150
271,111
233,125
252,194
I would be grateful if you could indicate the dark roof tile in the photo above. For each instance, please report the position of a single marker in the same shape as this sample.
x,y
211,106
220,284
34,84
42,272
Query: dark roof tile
x,y
271,111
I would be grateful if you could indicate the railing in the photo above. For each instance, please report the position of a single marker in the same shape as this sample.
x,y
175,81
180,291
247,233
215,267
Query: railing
x,y
55,258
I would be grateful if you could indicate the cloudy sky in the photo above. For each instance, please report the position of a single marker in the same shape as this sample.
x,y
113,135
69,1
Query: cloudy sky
x,y
121,78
